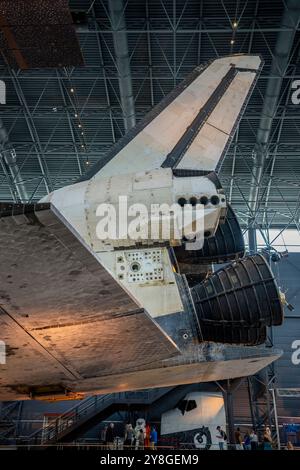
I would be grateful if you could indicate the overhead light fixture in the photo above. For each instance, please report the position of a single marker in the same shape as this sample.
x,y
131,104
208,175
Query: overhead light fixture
x,y
234,24
232,41
72,90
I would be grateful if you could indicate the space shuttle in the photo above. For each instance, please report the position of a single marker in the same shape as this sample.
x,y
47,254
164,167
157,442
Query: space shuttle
x,y
82,314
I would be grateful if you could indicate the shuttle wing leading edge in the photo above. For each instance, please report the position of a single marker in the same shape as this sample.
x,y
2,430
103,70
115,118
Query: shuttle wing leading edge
x,y
192,126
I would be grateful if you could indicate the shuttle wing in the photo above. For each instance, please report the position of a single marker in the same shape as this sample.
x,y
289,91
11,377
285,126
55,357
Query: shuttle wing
x,y
192,127
62,315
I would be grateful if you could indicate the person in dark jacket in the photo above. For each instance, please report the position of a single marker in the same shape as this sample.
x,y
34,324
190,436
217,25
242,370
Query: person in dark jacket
x,y
247,441
110,436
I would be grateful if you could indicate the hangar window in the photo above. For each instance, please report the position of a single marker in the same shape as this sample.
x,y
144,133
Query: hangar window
x,y
280,240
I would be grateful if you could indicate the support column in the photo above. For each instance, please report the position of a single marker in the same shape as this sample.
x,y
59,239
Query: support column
x,y
228,389
117,18
230,414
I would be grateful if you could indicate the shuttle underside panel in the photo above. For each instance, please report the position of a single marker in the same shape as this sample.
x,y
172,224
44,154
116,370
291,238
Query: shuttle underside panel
x,y
62,315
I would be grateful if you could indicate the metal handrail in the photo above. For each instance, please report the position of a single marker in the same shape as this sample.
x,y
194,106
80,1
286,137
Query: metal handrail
x,y
65,421
74,414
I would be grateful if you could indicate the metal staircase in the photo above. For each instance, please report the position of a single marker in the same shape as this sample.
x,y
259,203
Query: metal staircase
x,y
72,418
81,413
